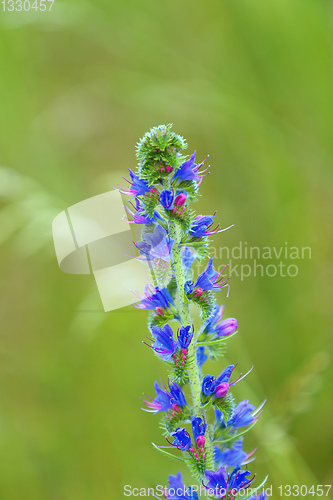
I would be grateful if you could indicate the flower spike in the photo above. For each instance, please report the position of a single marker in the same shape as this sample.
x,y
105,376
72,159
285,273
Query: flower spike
x,y
173,237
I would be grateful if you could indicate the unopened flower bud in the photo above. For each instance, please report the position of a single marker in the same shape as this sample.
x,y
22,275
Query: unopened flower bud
x,y
226,327
180,200
221,390
200,441
166,199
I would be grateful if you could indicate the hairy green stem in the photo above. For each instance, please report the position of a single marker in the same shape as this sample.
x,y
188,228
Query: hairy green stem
x,y
193,371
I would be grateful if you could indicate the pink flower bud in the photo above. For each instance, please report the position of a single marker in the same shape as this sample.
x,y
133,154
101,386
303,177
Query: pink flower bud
x,y
200,441
180,200
198,292
221,390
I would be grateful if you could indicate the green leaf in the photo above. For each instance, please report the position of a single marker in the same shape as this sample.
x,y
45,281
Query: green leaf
x,y
207,405
215,342
167,453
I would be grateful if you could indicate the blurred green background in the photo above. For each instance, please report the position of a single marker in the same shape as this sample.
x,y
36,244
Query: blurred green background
x,y
248,82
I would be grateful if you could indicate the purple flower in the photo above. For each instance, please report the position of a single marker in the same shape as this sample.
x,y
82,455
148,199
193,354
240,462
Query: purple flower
x,y
159,244
185,337
208,385
139,217
187,258
182,439
178,491
226,327
155,297
189,171
198,427
242,415
165,400
230,457
214,325
144,249
162,402
209,279
217,481
137,186
221,390
166,199
164,345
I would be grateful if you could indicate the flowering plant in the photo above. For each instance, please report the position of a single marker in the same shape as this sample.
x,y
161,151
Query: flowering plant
x,y
205,429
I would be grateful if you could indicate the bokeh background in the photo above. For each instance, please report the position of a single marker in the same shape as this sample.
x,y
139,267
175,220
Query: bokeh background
x,y
250,83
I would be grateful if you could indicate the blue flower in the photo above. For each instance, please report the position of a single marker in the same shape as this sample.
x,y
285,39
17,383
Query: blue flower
x,y
160,244
188,171
201,356
137,187
220,482
155,297
188,287
225,375
166,199
200,226
219,421
185,337
164,345
162,402
187,258
242,415
198,427
217,481
177,395
230,457
208,385
239,479
178,491
182,439
208,280
209,326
